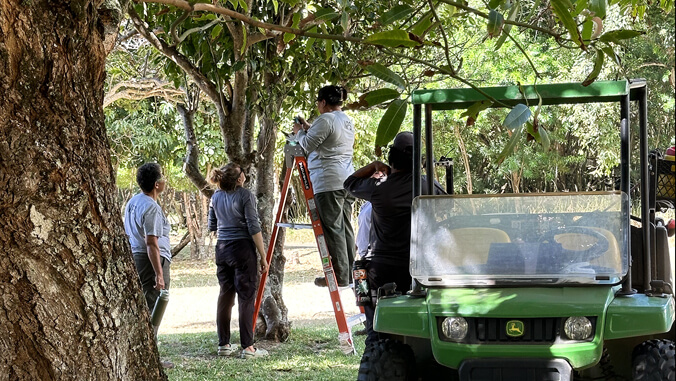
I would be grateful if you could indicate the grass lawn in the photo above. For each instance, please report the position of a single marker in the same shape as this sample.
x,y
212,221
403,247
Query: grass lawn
x,y
311,353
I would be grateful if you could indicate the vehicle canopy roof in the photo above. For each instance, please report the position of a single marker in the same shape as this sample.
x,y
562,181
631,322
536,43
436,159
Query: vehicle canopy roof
x,y
551,94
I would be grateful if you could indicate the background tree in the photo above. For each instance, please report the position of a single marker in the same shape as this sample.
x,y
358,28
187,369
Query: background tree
x,y
71,303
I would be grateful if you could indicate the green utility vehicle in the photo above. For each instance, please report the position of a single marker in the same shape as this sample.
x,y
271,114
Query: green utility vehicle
x,y
546,286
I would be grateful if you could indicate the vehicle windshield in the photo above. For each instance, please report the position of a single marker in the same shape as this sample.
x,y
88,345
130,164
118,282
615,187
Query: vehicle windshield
x,y
539,239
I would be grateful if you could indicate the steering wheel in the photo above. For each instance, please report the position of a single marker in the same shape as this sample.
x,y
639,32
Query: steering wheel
x,y
593,251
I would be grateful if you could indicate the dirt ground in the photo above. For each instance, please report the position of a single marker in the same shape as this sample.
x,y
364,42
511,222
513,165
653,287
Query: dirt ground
x,y
194,292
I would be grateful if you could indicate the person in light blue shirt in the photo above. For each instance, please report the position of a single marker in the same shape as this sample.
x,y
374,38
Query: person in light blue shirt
x,y
363,239
329,145
148,231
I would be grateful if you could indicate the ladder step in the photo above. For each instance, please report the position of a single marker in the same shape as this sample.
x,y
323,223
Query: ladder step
x,y
356,319
294,226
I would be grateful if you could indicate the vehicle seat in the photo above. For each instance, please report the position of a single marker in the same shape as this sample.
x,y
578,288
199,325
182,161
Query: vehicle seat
x,y
470,246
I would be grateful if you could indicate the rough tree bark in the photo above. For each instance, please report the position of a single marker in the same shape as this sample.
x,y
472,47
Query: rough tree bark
x,y
70,302
275,322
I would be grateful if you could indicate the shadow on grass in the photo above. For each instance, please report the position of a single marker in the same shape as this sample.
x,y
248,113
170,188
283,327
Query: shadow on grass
x,y
310,353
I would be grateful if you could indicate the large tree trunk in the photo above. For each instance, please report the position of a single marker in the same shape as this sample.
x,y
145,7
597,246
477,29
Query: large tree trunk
x,y
275,324
70,302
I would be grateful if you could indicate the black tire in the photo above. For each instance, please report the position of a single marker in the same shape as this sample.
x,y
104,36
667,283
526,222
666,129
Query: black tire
x,y
653,360
387,360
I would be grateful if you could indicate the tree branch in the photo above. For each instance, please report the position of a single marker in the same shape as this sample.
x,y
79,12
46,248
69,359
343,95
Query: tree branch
x,y
449,72
191,161
484,15
202,7
443,33
204,83
532,65
138,89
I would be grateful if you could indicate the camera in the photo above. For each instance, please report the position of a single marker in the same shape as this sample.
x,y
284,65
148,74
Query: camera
x,y
296,119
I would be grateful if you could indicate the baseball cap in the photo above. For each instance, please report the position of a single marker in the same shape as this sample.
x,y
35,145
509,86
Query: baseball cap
x,y
403,141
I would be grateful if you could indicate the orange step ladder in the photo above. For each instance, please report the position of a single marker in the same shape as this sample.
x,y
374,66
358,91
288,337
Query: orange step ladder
x,y
294,157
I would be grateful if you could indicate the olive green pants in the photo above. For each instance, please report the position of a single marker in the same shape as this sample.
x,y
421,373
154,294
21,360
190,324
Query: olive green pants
x,y
335,213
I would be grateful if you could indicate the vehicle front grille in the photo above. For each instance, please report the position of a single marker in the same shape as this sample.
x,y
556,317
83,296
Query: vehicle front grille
x,y
537,330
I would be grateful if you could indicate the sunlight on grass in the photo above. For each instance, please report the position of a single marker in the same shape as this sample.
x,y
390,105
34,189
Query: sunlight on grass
x,y
311,353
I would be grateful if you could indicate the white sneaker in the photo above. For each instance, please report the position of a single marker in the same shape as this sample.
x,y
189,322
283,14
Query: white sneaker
x,y
227,350
257,353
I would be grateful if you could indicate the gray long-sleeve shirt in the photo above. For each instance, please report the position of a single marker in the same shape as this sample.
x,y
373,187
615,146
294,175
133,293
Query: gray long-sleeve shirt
x,y
233,214
328,143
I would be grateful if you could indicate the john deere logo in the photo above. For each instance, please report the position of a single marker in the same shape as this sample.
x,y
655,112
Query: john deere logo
x,y
514,328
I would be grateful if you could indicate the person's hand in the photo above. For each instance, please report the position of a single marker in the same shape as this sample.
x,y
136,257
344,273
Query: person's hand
x,y
264,266
382,167
300,123
304,123
159,282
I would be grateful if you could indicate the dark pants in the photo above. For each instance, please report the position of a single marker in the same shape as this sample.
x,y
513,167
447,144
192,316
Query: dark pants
x,y
146,274
378,275
335,213
237,273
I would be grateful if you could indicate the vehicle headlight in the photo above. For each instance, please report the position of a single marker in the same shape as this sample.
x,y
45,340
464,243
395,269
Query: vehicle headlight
x,y
577,328
454,328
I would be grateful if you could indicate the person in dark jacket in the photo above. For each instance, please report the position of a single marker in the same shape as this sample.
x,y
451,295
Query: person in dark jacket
x,y
233,216
391,197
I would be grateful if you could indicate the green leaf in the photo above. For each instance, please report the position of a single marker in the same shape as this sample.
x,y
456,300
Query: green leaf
x,y
611,53
511,144
238,66
345,21
326,14
513,12
395,14
216,31
598,64
617,35
531,130
598,7
392,39
328,45
495,23
296,20
243,39
391,122
242,3
309,44
206,17
494,4
562,10
517,117
544,138
386,75
507,4
423,24
587,28
288,37
379,96
474,110
275,6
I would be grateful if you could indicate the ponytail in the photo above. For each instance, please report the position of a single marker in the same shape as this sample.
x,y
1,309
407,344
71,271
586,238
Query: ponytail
x,y
226,176
333,95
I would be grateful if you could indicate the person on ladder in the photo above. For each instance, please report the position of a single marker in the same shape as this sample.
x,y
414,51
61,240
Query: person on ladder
x,y
328,143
